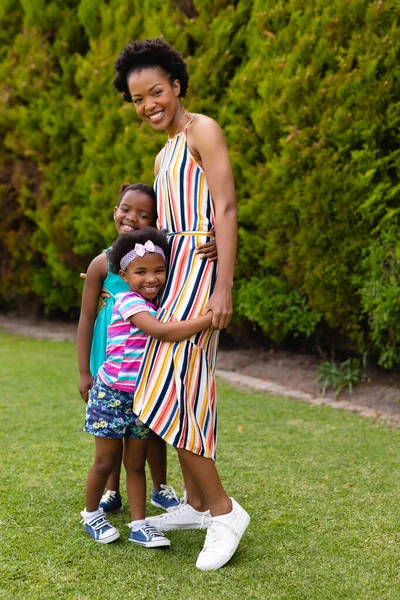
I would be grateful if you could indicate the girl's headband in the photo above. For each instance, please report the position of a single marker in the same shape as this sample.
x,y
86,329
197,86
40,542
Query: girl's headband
x,y
139,251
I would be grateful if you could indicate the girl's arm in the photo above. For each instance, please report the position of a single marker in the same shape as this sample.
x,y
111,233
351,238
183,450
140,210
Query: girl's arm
x,y
175,331
207,143
96,274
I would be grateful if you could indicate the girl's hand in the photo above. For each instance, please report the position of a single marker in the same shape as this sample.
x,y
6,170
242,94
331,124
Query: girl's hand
x,y
220,303
85,384
209,249
103,294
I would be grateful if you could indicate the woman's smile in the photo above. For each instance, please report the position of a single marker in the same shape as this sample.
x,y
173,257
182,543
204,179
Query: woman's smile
x,y
156,117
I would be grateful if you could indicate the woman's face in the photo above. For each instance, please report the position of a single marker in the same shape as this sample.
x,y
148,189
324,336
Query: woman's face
x,y
156,101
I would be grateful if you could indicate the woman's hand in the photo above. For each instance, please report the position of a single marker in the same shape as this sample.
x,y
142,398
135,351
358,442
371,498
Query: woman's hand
x,y
220,303
85,384
209,249
103,294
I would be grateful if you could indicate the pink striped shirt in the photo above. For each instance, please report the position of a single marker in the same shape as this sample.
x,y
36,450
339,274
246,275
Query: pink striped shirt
x,y
125,342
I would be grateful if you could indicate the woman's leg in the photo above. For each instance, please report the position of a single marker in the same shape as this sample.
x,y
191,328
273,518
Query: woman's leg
x,y
157,459
134,461
228,520
106,454
203,485
194,494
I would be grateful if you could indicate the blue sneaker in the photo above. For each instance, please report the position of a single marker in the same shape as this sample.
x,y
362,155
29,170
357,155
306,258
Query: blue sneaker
x,y
110,502
166,498
100,529
149,537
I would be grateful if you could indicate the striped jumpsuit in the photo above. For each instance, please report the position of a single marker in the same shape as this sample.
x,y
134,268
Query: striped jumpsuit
x,y
175,393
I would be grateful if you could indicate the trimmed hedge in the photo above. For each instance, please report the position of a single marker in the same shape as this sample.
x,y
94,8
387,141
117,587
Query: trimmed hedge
x,y
308,97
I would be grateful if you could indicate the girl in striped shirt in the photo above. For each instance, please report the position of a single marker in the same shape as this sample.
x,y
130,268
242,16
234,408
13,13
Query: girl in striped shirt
x,y
140,259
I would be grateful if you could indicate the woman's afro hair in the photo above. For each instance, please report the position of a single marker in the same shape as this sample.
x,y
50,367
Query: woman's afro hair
x,y
127,241
149,53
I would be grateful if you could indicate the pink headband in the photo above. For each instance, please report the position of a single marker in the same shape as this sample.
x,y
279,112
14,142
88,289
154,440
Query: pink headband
x,y
139,251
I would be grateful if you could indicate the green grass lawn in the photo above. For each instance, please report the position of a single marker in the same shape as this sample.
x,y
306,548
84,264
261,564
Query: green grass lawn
x,y
322,487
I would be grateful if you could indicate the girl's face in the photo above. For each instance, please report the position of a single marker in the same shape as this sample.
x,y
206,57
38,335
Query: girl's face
x,y
146,275
135,210
156,101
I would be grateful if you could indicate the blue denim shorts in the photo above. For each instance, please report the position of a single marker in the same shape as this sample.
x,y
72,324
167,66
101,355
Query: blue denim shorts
x,y
109,414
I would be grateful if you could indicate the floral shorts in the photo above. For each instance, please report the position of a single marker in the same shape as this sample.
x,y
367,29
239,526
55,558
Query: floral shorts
x,y
109,414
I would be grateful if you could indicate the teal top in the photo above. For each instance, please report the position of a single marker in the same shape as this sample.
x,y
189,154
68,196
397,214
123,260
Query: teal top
x,y
114,285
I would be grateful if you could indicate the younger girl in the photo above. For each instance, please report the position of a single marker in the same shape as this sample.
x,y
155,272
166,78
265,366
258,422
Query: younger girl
x,y
140,258
136,208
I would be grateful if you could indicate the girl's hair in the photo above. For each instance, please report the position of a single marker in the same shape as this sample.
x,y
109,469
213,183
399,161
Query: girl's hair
x,y
138,55
126,242
139,187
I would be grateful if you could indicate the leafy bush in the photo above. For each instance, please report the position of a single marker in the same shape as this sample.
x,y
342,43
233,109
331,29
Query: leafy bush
x,y
277,308
379,284
307,95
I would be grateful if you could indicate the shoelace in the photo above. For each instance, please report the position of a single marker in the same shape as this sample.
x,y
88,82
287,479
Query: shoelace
x,y
167,491
108,497
151,531
215,534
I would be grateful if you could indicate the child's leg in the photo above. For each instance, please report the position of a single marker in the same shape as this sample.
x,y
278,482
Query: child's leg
x,y
113,482
106,454
157,459
163,495
135,453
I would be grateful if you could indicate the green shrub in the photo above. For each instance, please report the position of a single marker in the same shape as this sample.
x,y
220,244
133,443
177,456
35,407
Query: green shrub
x,y
277,308
379,283
307,95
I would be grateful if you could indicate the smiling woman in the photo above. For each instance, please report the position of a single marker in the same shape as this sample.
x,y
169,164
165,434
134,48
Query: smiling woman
x,y
175,394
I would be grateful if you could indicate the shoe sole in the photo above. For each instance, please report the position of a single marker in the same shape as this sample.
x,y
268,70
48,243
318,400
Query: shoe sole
x,y
159,544
244,523
169,509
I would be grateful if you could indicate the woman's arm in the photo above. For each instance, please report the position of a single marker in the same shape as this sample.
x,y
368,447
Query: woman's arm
x,y
96,274
207,144
174,331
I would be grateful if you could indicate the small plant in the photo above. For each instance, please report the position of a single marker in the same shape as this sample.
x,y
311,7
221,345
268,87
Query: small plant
x,y
338,376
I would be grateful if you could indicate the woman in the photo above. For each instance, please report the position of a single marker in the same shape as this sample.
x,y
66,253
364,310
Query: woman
x,y
175,394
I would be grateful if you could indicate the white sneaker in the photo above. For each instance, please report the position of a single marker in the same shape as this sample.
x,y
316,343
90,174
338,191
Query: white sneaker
x,y
222,539
183,517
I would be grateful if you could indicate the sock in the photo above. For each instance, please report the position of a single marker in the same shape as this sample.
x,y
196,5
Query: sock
x,y
89,515
135,525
